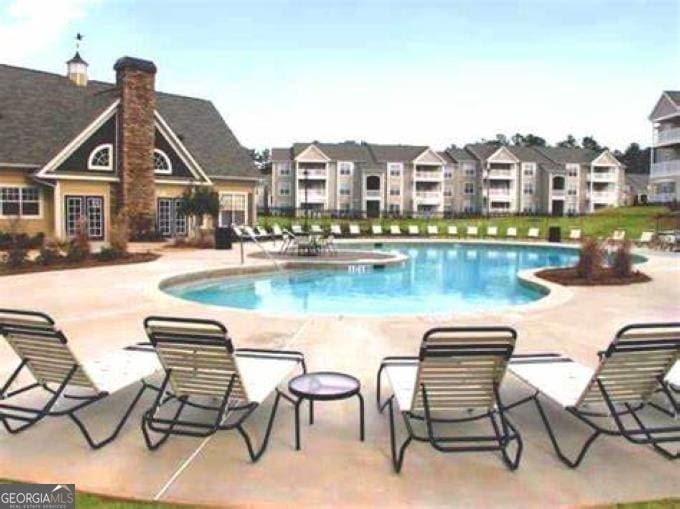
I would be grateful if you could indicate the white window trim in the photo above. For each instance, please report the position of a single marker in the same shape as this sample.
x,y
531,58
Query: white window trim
x,y
94,167
20,215
396,165
167,171
351,168
284,165
465,186
285,185
234,193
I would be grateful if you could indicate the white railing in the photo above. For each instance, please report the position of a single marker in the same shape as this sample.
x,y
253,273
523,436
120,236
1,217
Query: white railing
x,y
666,169
602,176
602,195
312,195
429,175
373,193
558,193
312,173
429,196
499,191
667,136
504,173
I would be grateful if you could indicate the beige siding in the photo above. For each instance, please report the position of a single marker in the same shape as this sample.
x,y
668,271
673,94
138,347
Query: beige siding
x,y
30,225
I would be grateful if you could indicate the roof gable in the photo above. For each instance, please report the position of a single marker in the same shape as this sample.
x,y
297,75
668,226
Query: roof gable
x,y
429,156
183,165
606,158
502,155
665,107
312,154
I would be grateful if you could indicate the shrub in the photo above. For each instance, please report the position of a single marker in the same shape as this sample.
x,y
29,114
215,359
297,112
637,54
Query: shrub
x,y
622,263
590,259
79,246
109,253
142,227
50,253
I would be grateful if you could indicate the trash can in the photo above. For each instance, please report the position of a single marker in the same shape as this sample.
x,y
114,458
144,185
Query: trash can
x,y
554,234
223,238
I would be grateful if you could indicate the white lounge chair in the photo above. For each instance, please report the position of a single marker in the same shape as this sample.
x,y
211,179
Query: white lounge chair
x,y
575,234
201,364
69,384
316,229
472,231
277,232
336,230
619,235
297,229
511,232
395,230
376,229
413,229
645,239
492,231
533,233
456,375
452,230
432,229
354,230
630,371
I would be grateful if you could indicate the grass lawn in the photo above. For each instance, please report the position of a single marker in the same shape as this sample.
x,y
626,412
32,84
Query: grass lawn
x,y
634,220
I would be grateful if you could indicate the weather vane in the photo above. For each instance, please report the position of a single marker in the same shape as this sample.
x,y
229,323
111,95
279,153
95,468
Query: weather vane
x,y
79,37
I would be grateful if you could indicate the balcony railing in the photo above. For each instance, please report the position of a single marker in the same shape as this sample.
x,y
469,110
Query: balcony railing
x,y
667,136
429,197
557,193
373,193
602,176
499,191
666,169
429,175
312,195
502,173
602,196
314,173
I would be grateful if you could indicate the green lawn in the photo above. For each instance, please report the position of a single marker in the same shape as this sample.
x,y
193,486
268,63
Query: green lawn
x,y
634,220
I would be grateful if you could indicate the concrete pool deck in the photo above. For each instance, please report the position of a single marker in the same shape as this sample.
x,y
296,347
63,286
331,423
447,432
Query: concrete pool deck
x,y
101,309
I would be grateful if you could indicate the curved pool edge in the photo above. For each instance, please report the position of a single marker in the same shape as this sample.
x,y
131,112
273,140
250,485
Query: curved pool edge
x,y
553,294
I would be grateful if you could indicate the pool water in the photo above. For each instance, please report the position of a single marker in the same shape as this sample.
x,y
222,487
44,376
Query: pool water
x,y
437,278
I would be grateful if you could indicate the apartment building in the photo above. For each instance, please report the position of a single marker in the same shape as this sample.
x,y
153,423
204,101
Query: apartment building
x,y
664,177
409,179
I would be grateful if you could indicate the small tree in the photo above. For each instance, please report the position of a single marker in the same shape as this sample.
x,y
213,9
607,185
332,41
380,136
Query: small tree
x,y
198,202
590,259
622,264
120,233
17,250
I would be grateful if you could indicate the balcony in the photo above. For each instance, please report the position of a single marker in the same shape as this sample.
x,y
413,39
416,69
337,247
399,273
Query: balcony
x,y
429,197
429,175
662,197
558,194
602,196
667,137
312,173
373,193
312,195
499,192
666,169
499,173
602,176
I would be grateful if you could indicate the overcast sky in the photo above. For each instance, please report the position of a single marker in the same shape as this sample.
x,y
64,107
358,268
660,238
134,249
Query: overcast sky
x,y
418,71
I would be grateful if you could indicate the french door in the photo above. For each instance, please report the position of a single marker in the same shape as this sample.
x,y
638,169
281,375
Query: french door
x,y
90,208
170,222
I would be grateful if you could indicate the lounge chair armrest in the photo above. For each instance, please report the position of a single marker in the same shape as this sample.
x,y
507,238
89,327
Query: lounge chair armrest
x,y
399,359
277,354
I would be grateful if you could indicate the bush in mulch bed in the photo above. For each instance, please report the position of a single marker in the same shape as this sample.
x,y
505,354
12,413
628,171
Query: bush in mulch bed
x,y
592,271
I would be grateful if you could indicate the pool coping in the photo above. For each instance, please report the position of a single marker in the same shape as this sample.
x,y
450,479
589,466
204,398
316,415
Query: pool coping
x,y
554,294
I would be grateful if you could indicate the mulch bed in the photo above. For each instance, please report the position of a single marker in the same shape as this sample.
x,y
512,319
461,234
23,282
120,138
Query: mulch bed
x,y
31,267
569,277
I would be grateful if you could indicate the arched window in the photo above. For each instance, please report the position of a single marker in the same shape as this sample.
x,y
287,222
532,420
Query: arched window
x,y
101,158
161,162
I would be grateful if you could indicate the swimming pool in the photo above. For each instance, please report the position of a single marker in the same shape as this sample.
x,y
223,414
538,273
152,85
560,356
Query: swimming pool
x,y
437,278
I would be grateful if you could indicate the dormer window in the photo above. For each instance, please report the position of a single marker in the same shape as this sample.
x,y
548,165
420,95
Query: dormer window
x,y
101,158
161,162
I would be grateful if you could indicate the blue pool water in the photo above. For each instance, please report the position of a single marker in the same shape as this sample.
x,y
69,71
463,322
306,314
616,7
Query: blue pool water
x,y
437,278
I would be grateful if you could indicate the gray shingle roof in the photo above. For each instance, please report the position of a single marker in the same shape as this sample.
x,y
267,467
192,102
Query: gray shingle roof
x,y
533,154
562,155
674,95
281,154
638,182
387,153
482,150
459,154
345,151
41,112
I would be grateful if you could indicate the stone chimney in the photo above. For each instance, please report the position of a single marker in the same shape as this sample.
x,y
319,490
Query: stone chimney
x,y
135,80
76,70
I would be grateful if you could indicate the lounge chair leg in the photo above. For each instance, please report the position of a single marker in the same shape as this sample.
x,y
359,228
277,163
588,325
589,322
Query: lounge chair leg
x,y
571,464
149,415
118,428
256,455
397,460
505,438
658,448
